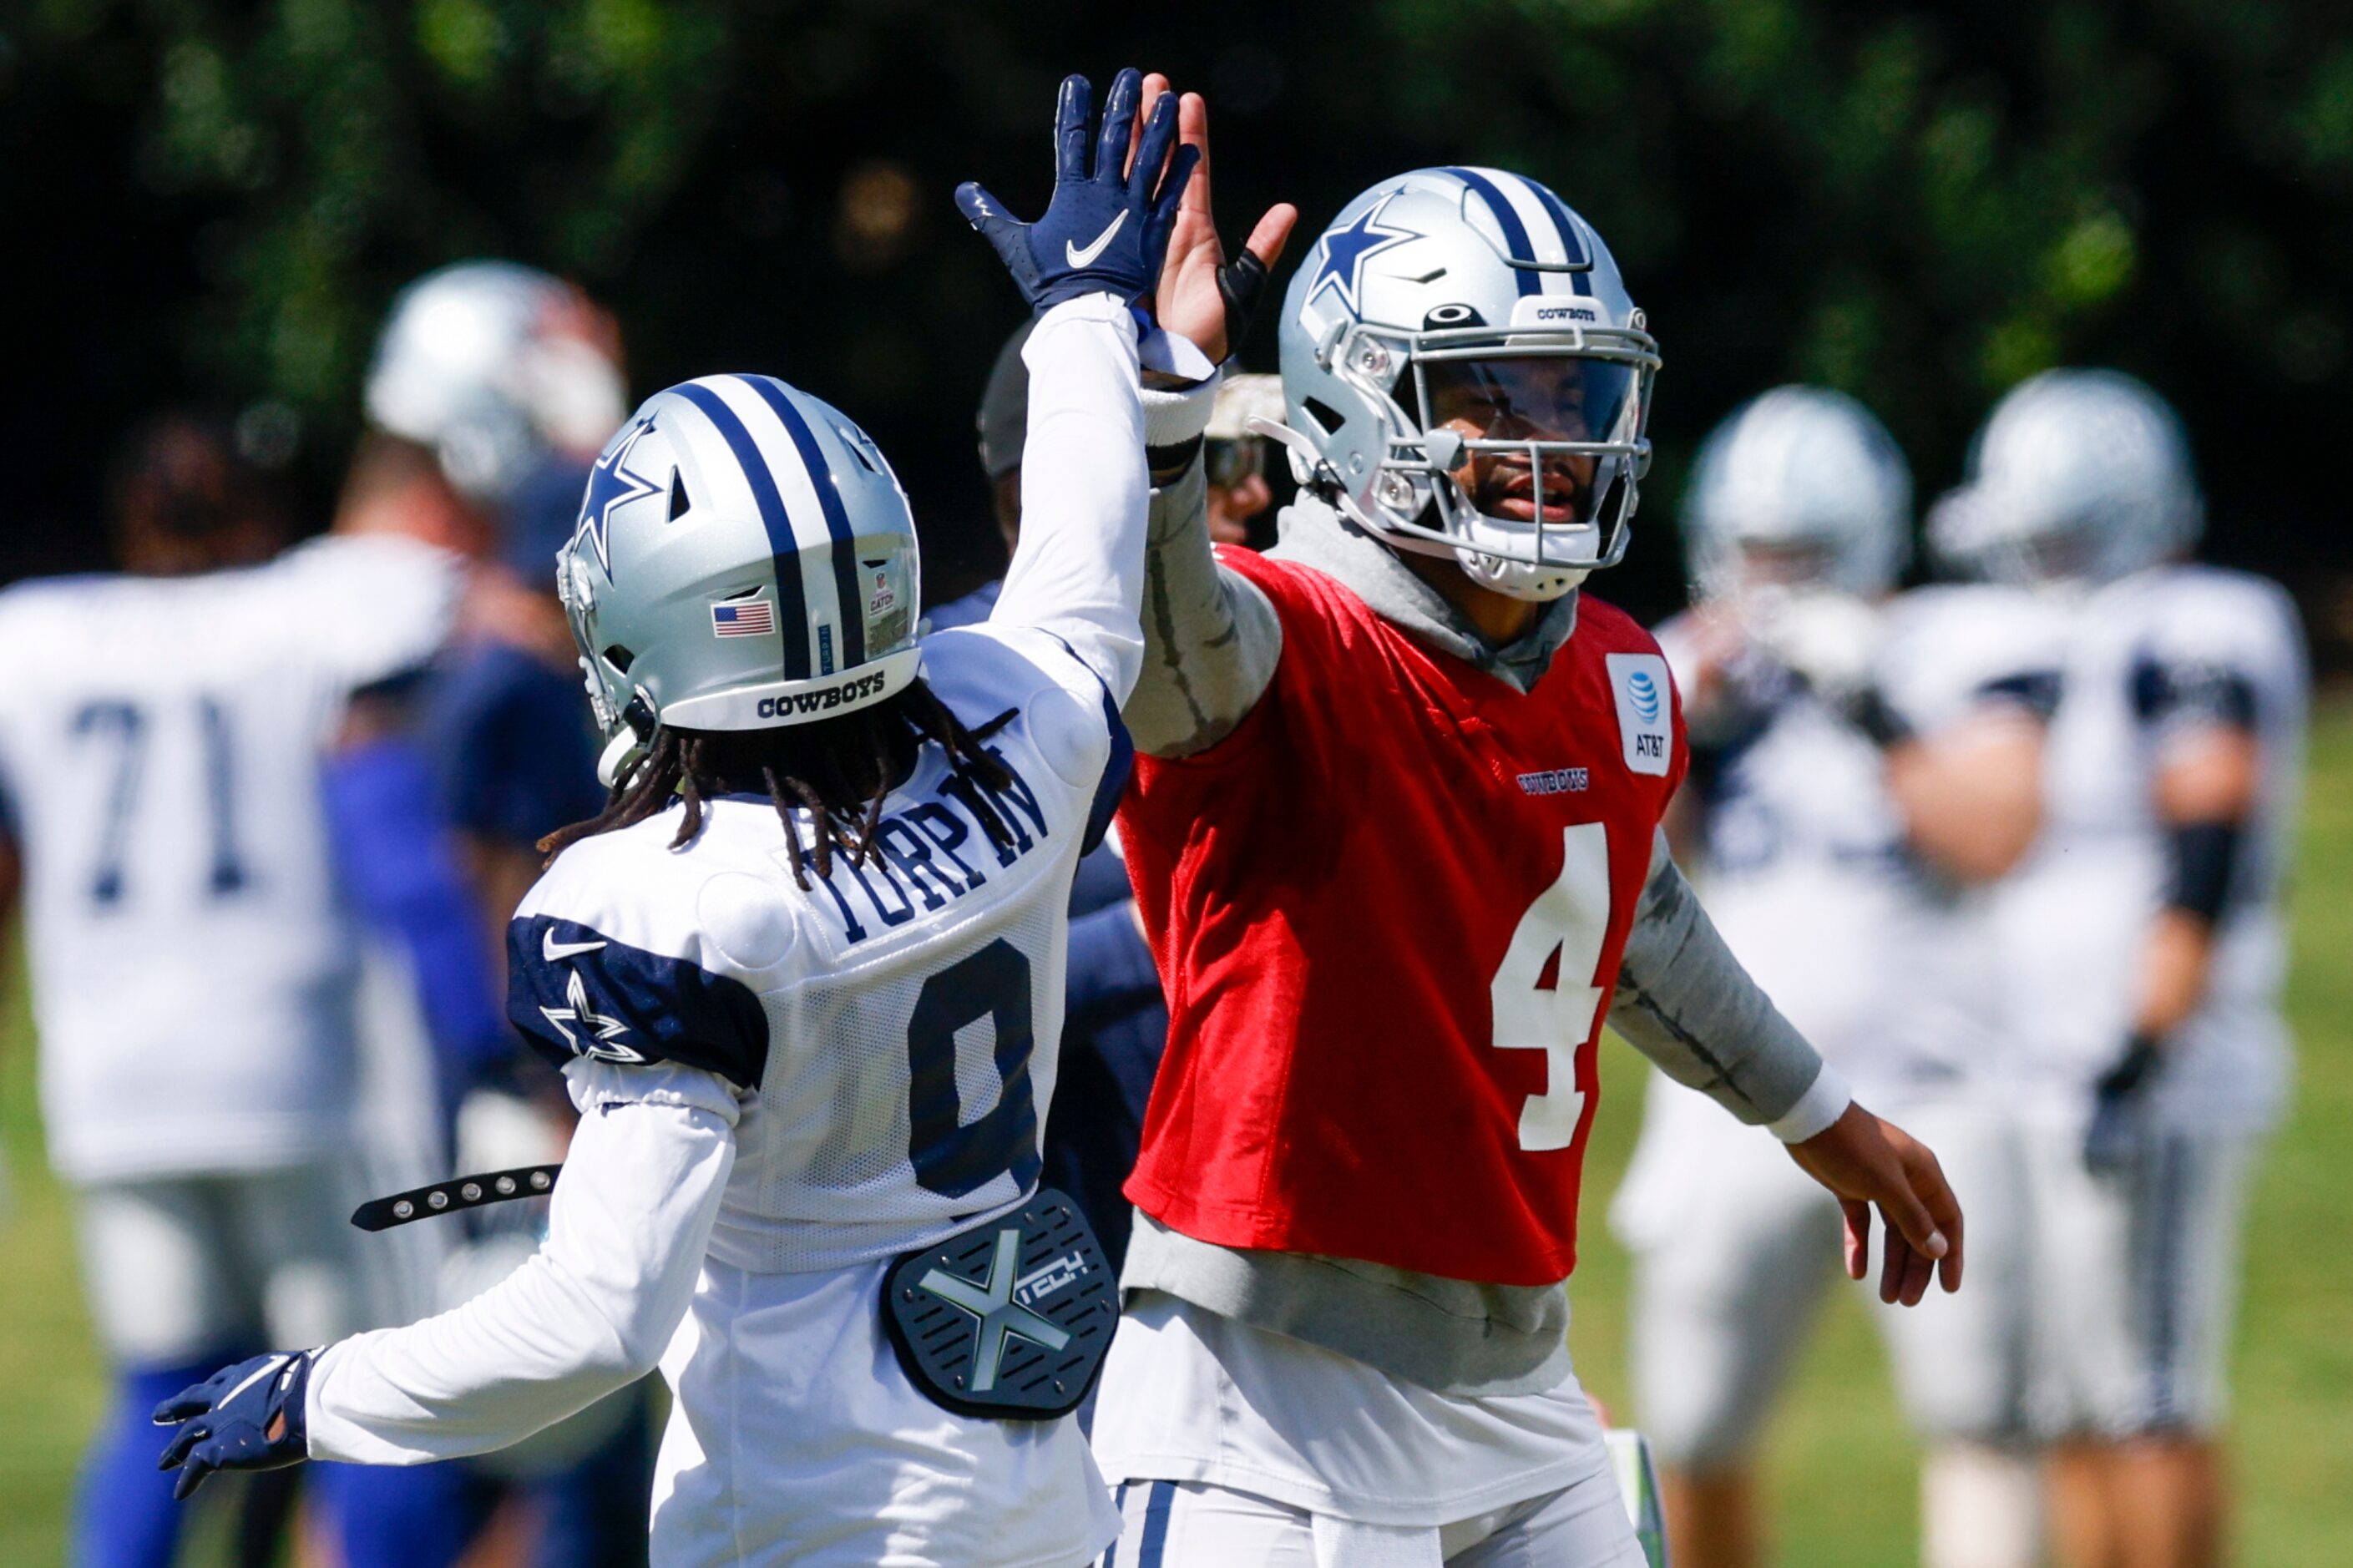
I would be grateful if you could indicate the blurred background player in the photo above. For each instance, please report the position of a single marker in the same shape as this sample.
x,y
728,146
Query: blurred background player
x,y
492,386
1116,1025
1843,878
2144,942
1234,458
194,963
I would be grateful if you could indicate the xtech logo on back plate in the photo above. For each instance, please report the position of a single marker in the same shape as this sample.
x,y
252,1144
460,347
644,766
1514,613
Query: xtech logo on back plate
x,y
1639,683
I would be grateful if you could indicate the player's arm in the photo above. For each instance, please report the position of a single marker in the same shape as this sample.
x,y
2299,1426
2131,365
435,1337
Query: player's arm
x,y
373,607
1211,639
1685,1000
588,1314
2199,718
1095,254
653,1048
1968,786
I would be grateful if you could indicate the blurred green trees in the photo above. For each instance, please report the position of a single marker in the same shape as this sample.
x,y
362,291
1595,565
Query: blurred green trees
x,y
214,201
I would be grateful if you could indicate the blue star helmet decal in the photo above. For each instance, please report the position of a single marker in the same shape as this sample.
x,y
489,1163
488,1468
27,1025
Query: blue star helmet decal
x,y
611,483
1345,249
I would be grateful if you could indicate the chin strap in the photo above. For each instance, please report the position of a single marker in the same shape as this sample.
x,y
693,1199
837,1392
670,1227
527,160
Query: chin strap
x,y
1321,476
629,743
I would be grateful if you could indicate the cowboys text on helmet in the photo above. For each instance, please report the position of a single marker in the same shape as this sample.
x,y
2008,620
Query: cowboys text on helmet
x,y
744,559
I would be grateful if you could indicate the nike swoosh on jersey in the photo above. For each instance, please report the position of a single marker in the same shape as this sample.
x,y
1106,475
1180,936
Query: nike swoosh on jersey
x,y
552,950
1086,257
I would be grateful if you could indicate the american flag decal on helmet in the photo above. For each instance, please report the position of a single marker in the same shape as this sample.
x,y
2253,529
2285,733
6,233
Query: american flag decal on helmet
x,y
749,618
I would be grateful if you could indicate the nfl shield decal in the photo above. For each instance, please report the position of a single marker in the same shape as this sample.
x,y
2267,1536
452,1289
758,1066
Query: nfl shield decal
x,y
1009,1318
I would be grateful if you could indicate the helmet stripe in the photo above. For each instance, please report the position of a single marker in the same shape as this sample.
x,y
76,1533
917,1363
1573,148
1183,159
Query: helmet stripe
x,y
1515,234
1572,244
843,553
792,606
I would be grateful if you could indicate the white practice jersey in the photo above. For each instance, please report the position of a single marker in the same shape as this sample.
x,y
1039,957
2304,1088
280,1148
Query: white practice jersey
x,y
781,1088
892,1030
192,964
1806,872
2170,647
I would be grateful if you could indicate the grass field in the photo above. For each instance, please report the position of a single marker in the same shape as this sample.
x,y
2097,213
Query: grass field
x,y
1840,1463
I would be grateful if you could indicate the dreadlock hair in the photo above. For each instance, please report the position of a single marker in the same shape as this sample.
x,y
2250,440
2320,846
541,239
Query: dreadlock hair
x,y
840,770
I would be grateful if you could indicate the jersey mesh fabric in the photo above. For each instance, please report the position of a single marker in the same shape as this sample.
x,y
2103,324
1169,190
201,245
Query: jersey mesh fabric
x,y
835,1166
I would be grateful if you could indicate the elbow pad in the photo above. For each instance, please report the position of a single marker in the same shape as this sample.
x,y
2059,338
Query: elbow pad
x,y
2205,858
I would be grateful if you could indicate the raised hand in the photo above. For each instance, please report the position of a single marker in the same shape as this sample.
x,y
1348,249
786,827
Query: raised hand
x,y
1869,1163
243,1417
1105,231
1202,295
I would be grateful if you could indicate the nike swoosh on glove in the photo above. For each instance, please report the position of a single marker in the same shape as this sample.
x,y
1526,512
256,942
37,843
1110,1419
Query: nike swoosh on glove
x,y
1103,232
243,1417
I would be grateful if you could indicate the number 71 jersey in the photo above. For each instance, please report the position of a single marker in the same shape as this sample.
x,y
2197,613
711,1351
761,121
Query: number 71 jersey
x,y
1388,911
192,959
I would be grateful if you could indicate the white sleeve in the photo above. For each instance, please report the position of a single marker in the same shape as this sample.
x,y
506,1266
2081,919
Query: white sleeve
x,y
1078,569
591,1311
372,605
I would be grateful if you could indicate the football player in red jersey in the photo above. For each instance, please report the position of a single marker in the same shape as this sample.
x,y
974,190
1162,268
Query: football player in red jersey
x,y
1395,838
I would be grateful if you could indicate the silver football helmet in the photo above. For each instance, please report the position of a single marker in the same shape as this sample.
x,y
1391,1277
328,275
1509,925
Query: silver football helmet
x,y
1462,327
483,362
744,559
2078,476
1800,488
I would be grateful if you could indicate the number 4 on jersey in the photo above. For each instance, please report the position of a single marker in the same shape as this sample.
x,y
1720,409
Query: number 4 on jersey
x,y
1559,940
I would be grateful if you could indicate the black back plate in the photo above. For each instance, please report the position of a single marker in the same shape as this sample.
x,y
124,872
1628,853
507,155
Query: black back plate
x,y
1010,1319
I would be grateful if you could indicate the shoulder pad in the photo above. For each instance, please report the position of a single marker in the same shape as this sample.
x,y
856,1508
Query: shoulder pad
x,y
575,991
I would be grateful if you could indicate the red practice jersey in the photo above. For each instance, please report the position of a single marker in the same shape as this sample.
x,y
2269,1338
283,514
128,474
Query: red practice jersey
x,y
1387,910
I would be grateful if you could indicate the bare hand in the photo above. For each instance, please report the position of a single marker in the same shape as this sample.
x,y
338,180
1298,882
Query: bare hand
x,y
1866,1161
1189,300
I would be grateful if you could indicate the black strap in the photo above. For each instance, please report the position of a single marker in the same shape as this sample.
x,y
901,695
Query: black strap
x,y
1010,1319
456,1194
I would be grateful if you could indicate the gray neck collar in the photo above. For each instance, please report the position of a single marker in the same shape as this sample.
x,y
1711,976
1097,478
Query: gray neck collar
x,y
1314,534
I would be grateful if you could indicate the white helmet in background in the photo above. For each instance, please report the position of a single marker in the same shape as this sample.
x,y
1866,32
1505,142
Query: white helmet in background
x,y
487,363
2078,476
1806,484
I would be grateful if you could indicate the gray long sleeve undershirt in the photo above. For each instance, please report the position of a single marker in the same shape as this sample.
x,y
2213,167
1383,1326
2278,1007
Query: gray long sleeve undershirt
x,y
1211,644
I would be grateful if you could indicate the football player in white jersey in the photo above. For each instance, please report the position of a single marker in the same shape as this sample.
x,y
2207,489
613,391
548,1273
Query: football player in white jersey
x,y
804,974
193,965
1858,765
2143,942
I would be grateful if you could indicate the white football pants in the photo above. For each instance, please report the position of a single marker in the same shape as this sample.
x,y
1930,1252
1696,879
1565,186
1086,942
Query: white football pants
x,y
1186,1524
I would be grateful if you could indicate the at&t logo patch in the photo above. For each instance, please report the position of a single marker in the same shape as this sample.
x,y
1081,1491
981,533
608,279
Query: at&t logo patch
x,y
1645,710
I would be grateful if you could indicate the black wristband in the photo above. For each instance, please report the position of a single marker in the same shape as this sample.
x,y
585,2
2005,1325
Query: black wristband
x,y
1167,464
2205,864
2142,1056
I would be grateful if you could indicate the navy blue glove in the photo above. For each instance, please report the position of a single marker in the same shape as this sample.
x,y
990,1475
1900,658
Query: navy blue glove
x,y
243,1417
2113,1141
1106,232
